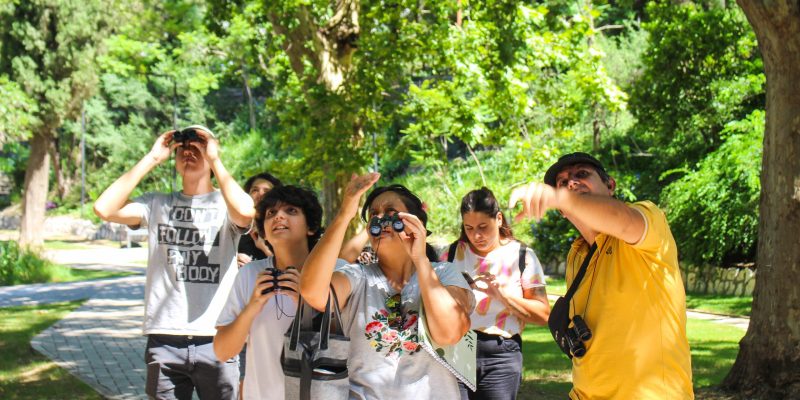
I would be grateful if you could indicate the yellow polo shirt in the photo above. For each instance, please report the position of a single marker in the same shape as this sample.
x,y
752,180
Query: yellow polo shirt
x,y
633,300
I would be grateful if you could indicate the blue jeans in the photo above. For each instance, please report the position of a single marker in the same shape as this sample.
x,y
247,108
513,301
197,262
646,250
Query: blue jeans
x,y
177,365
498,368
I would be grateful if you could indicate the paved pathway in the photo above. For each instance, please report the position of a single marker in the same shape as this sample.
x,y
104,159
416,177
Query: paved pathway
x,y
101,341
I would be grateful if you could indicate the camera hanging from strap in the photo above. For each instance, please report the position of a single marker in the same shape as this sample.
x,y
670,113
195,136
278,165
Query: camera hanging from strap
x,y
570,340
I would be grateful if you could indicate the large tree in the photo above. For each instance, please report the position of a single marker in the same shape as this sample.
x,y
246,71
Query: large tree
x,y
49,48
768,364
402,78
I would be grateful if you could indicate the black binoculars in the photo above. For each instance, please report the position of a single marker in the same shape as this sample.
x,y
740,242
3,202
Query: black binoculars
x,y
576,335
276,273
186,135
376,224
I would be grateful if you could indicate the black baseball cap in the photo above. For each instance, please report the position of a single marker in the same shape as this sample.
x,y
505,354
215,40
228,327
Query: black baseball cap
x,y
567,160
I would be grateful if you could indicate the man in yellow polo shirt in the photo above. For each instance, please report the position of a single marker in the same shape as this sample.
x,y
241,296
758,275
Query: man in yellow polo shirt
x,y
631,297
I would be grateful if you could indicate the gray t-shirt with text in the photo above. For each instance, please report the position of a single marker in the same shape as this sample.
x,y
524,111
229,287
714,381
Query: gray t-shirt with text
x,y
191,263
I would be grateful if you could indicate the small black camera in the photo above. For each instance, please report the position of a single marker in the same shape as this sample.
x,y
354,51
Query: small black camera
x,y
185,136
276,274
376,224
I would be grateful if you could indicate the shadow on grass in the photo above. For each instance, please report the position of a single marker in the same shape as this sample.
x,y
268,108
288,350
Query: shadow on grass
x,y
26,374
546,371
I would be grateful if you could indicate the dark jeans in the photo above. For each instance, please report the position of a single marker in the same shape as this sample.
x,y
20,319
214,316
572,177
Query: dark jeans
x,y
177,365
499,368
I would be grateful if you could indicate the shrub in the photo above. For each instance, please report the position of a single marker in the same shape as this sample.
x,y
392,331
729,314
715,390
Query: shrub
x,y
19,265
713,210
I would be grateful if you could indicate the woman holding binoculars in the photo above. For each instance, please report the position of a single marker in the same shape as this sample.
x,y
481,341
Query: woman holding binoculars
x,y
381,301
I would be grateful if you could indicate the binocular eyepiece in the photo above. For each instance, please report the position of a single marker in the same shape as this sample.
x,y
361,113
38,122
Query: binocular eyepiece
x,y
576,335
376,224
185,136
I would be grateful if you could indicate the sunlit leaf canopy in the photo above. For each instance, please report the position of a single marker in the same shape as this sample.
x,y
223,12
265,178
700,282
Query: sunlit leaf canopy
x,y
442,96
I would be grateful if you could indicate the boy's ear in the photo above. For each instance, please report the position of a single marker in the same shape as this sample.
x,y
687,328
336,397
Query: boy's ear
x,y
612,185
311,232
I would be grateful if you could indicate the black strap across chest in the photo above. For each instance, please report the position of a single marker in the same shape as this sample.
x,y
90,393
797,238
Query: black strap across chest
x,y
581,272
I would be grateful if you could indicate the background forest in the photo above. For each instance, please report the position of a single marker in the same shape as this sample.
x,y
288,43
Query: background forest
x,y
443,97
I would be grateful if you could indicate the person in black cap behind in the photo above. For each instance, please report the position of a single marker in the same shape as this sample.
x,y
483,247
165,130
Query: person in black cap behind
x,y
631,294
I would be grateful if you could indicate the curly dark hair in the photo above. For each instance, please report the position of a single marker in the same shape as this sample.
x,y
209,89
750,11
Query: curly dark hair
x,y
299,197
265,176
412,203
483,201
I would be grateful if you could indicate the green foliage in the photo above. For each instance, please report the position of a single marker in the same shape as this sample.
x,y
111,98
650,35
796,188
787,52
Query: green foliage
x,y
511,74
520,161
17,111
19,265
701,70
713,209
49,48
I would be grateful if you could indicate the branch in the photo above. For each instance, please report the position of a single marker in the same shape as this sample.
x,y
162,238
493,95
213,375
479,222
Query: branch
x,y
608,27
478,163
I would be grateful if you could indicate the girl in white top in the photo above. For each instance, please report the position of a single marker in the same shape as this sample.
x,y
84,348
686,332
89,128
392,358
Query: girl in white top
x,y
290,219
507,297
381,301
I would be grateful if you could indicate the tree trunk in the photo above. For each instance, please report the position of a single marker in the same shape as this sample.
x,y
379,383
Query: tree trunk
x,y
332,201
330,49
768,364
60,164
249,93
35,190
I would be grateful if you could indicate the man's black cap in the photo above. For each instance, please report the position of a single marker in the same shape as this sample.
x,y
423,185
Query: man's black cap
x,y
567,160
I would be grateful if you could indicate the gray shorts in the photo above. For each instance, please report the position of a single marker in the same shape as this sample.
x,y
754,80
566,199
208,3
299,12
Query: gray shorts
x,y
177,365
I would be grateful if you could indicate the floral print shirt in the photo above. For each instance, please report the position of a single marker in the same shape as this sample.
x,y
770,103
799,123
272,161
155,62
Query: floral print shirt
x,y
386,361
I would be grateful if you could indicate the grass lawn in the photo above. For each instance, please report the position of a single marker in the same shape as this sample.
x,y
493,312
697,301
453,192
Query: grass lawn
x,y
547,370
26,374
713,303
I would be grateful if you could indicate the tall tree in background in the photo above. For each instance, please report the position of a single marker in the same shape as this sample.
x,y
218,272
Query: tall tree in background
x,y
49,48
768,364
339,70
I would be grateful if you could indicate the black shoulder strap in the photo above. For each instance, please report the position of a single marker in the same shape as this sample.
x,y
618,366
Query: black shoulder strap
x,y
523,248
451,252
581,272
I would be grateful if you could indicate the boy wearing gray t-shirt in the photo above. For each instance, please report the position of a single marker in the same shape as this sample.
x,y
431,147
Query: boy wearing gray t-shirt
x,y
192,239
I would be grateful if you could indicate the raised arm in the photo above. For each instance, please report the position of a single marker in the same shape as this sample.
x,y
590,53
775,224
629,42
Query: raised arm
x,y
588,212
112,205
240,205
352,249
317,273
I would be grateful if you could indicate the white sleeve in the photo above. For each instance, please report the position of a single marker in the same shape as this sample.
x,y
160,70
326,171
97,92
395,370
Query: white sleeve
x,y
533,276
